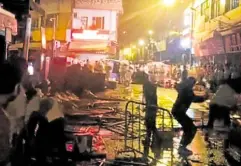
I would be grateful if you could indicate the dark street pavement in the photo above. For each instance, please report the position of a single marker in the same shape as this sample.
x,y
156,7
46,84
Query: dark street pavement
x,y
169,156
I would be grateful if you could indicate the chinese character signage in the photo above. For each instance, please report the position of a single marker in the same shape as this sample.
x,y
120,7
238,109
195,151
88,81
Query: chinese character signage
x,y
99,4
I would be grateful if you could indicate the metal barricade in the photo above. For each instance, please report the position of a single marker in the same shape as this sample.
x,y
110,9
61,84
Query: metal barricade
x,y
135,127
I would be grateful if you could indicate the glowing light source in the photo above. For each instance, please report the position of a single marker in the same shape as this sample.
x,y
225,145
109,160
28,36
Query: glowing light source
x,y
169,2
141,42
30,69
223,2
69,147
127,51
186,43
150,32
133,46
90,34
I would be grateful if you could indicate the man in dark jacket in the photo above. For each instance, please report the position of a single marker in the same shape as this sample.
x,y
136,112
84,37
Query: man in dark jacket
x,y
184,99
150,95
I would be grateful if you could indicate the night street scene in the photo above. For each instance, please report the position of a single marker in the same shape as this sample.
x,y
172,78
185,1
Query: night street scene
x,y
120,83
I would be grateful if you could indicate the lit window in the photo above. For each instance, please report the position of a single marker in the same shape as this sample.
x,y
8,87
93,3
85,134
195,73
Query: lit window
x,y
84,22
231,4
98,23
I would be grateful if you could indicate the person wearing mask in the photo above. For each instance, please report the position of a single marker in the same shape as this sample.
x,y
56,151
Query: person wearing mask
x,y
184,99
150,97
9,89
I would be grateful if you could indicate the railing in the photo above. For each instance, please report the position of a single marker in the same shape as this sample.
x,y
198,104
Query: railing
x,y
135,127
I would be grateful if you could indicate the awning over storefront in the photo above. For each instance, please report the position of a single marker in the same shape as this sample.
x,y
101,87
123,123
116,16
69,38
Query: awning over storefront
x,y
212,46
35,45
7,20
99,4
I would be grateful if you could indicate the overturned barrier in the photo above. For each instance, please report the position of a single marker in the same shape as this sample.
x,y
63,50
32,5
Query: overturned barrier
x,y
135,128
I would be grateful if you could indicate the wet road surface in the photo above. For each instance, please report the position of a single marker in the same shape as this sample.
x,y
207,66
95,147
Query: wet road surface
x,y
167,152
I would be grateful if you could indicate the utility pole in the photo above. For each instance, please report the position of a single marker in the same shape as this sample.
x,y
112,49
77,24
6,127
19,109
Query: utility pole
x,y
28,23
193,11
8,39
54,35
27,37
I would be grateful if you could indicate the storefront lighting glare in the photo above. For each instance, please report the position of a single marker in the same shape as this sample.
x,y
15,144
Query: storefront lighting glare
x,y
223,2
169,2
186,43
141,42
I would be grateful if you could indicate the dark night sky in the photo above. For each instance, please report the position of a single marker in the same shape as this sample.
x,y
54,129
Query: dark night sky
x,y
141,15
15,6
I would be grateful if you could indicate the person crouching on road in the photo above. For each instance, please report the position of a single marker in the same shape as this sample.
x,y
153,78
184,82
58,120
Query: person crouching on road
x,y
150,95
184,99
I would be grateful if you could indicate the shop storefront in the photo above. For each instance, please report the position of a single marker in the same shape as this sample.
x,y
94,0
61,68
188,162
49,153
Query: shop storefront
x,y
8,27
212,49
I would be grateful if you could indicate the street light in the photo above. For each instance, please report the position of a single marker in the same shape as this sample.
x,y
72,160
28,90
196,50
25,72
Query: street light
x,y
53,19
150,32
54,26
169,2
223,2
141,42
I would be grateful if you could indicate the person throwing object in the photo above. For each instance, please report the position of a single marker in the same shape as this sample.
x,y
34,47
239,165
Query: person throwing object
x,y
184,99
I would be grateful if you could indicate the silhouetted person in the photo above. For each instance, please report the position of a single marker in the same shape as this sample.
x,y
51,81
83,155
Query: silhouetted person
x,y
184,99
150,94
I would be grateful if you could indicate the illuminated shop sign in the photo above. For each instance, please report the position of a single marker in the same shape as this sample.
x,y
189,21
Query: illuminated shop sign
x,y
90,35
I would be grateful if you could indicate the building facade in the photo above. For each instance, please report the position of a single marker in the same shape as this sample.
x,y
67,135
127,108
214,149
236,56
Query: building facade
x,y
8,27
94,28
212,28
56,21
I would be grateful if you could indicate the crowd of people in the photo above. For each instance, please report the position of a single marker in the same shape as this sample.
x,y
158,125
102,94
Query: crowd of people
x,y
22,111
225,82
19,101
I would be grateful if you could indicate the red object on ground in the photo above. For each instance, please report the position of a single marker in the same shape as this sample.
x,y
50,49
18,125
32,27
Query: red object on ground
x,y
98,143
